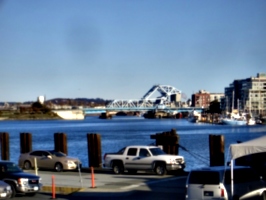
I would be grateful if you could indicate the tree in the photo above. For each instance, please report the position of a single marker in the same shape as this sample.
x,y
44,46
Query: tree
x,y
215,107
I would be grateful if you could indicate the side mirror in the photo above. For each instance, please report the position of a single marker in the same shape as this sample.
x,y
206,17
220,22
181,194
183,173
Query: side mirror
x,y
49,156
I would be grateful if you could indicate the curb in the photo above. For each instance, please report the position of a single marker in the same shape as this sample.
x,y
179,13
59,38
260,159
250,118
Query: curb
x,y
61,190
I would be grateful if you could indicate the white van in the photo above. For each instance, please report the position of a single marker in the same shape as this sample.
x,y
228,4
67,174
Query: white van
x,y
215,183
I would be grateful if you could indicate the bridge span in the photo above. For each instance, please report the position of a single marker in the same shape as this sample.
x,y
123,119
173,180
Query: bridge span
x,y
166,97
88,111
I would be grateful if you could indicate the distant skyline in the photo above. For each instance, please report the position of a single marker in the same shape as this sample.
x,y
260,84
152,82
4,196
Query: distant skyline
x,y
119,49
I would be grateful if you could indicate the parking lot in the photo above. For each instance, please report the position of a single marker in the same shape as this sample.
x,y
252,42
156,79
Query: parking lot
x,y
74,185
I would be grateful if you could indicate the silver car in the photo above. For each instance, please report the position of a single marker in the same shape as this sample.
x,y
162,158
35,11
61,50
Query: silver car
x,y
5,190
48,159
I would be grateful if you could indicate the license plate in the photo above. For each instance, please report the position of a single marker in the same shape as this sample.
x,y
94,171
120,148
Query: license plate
x,y
208,193
35,188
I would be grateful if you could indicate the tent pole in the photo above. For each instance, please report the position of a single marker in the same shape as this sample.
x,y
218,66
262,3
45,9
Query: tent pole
x,y
232,179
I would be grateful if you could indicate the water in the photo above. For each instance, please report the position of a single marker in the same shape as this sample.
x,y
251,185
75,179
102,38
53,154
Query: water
x,y
121,131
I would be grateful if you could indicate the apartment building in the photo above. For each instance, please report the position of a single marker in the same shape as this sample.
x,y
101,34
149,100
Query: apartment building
x,y
246,95
201,99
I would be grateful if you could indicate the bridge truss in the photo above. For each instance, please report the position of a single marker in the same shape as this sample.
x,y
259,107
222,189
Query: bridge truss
x,y
166,91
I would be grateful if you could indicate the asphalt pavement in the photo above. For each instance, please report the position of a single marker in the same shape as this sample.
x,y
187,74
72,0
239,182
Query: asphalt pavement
x,y
104,184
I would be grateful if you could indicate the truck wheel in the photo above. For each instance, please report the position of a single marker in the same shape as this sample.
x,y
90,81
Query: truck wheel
x,y
13,190
27,165
58,167
160,169
118,168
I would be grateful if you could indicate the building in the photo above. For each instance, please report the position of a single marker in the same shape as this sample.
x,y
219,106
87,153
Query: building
x,y
216,96
247,95
201,99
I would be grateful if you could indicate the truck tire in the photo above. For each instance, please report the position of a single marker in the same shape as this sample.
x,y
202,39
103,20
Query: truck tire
x,y
160,169
118,168
13,189
27,165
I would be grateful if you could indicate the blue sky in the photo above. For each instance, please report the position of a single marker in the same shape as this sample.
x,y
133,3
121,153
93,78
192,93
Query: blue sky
x,y
118,49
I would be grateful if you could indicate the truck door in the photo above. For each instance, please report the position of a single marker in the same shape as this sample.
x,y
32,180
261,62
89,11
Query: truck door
x,y
131,157
139,159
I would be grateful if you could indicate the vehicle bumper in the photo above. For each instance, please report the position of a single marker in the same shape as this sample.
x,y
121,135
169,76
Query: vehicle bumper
x,y
72,166
171,167
29,188
5,194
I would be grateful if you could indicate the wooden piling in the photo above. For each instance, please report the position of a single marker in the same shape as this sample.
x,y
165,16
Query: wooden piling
x,y
4,137
25,142
216,148
94,150
168,140
60,142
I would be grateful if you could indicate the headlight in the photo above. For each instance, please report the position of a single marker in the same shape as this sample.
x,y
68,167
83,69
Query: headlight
x,y
70,162
23,181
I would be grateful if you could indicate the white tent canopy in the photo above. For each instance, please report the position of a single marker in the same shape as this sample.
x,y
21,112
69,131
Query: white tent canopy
x,y
257,145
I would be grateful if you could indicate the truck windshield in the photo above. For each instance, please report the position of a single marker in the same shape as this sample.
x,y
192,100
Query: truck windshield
x,y
10,167
157,151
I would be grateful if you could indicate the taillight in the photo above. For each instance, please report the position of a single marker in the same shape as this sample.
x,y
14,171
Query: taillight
x,y
104,156
222,192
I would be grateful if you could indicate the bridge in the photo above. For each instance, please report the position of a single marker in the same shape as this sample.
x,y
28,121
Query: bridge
x,y
148,102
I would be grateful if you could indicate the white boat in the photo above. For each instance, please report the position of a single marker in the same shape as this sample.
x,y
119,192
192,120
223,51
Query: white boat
x,y
234,122
194,116
238,120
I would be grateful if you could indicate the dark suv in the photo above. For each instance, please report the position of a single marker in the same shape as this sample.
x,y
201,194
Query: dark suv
x,y
19,181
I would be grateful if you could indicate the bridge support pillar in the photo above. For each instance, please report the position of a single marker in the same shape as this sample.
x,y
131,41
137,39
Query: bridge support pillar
x,y
105,115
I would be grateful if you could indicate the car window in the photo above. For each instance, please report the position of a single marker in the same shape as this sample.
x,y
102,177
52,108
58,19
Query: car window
x,y
36,153
121,151
59,154
204,177
10,167
132,152
157,151
45,153
144,153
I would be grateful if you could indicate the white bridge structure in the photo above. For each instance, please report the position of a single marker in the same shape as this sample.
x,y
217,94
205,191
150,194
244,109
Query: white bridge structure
x,y
147,101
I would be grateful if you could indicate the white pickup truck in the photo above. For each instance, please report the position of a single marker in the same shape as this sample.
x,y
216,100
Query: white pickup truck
x,y
134,158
